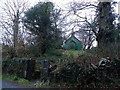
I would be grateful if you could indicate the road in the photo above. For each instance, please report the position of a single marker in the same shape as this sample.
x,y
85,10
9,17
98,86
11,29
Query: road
x,y
9,84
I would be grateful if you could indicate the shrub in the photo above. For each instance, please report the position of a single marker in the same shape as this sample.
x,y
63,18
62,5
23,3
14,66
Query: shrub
x,y
104,74
55,52
112,51
7,51
21,67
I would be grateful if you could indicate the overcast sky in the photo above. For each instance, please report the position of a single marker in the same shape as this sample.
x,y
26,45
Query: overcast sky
x,y
60,3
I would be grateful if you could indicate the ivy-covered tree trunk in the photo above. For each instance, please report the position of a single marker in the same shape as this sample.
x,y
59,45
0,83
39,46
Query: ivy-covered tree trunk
x,y
105,23
15,31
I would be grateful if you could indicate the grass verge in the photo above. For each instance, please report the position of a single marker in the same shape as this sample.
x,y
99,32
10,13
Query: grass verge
x,y
17,80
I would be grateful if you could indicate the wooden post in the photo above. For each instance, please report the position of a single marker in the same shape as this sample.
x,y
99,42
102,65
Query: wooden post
x,y
30,69
45,64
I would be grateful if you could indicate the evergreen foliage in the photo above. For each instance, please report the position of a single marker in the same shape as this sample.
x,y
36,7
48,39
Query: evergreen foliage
x,y
41,21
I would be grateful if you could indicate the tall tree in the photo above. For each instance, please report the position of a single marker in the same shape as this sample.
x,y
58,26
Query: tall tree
x,y
81,22
12,12
41,20
101,27
105,23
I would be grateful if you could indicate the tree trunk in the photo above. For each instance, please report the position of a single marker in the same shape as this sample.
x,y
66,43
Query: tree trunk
x,y
105,22
15,31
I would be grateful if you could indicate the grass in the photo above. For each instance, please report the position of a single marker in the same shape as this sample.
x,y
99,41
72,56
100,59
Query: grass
x,y
60,57
0,76
16,79
75,53
70,55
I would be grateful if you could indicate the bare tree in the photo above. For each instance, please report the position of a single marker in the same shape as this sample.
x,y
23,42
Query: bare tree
x,y
83,23
12,12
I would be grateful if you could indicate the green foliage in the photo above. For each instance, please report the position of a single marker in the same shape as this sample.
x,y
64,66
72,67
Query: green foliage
x,y
7,51
55,52
0,76
106,16
112,51
16,79
17,67
104,74
33,51
41,21
75,53
61,57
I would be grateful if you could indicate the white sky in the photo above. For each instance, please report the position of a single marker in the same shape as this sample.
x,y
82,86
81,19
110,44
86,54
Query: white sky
x,y
60,3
